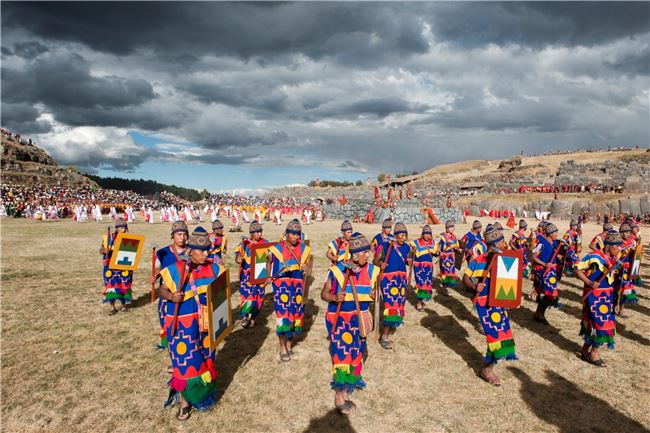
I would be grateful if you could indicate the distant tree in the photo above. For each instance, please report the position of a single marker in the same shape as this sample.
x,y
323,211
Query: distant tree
x,y
358,183
382,177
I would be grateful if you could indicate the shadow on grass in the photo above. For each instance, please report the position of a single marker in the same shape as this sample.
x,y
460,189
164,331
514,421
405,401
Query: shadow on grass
x,y
568,400
454,336
241,346
331,422
457,308
142,300
311,312
524,318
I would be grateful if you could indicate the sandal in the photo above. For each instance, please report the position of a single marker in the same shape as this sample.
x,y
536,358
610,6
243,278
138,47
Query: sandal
x,y
290,352
444,291
112,312
352,404
491,380
386,344
184,413
345,408
419,307
245,323
285,357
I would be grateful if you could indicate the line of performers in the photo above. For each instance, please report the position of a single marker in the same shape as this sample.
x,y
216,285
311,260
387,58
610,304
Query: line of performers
x,y
354,282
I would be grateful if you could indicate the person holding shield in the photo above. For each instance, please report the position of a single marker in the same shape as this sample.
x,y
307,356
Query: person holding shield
x,y
251,295
423,266
117,284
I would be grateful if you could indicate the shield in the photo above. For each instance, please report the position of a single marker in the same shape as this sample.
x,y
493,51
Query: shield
x,y
219,310
636,262
561,261
127,251
506,279
458,259
259,254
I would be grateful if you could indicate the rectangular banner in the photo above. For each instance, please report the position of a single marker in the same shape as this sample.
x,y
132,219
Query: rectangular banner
x,y
636,263
259,254
506,279
127,251
219,310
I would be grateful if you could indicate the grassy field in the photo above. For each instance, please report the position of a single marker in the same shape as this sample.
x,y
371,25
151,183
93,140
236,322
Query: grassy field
x,y
69,367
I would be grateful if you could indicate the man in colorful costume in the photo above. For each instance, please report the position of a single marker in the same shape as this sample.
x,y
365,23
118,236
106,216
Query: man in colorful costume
x,y
337,250
495,321
545,266
286,265
185,285
519,242
167,256
598,242
624,287
117,284
634,225
251,296
219,242
597,270
447,245
393,261
423,266
384,238
571,238
470,238
348,290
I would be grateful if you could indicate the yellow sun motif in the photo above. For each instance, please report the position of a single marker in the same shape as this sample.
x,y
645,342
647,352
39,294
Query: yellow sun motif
x,y
403,291
346,337
552,280
603,309
394,291
108,273
284,297
206,341
299,299
496,317
125,273
181,348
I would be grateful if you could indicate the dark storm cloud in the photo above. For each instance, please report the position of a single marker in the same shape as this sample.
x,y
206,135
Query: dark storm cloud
x,y
29,50
379,107
23,117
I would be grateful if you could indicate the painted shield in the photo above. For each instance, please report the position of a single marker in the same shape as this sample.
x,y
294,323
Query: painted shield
x,y
127,251
219,310
636,262
506,279
259,254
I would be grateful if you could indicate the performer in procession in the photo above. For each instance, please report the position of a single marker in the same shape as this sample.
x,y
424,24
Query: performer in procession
x,y
337,250
117,284
185,284
469,239
423,249
286,265
519,242
545,265
495,321
394,262
348,290
624,287
571,238
598,242
598,270
167,256
251,295
634,225
447,245
384,238
219,243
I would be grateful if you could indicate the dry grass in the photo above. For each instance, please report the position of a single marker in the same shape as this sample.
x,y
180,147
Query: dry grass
x,y
68,366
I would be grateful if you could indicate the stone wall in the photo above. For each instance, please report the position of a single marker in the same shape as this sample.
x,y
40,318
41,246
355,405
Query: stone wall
x,y
409,213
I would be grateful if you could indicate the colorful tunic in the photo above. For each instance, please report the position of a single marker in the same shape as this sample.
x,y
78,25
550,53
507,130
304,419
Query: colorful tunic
x,y
572,258
494,320
469,240
340,248
519,242
546,278
165,257
381,241
393,284
446,244
193,365
217,247
625,292
117,284
423,268
599,240
478,249
598,324
289,286
346,344
251,297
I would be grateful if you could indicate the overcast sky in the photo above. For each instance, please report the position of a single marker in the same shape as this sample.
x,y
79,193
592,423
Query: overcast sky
x,y
248,95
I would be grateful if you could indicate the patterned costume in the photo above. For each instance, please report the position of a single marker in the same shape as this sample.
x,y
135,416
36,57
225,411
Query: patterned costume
x,y
519,242
251,297
165,257
423,268
117,284
494,320
546,278
624,285
598,324
339,247
289,286
194,371
393,284
346,344
381,241
446,244
599,241
469,240
217,247
572,258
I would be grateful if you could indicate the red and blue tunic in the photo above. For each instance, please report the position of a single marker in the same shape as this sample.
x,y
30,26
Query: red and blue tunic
x,y
519,242
117,284
165,257
446,244
340,248
346,344
217,248
193,364
625,292
546,278
598,325
494,320
251,297
469,240
381,241
288,286
423,268
599,241
393,284
572,258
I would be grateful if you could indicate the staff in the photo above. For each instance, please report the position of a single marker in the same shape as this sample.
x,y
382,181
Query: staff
x,y
153,272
